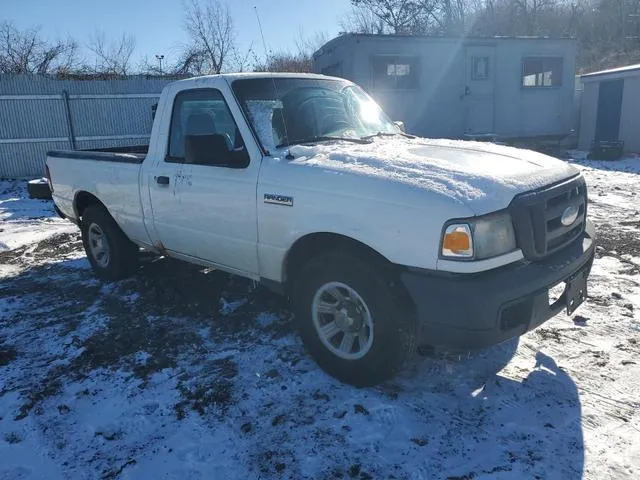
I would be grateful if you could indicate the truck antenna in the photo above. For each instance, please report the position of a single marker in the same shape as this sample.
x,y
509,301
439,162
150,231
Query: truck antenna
x,y
275,87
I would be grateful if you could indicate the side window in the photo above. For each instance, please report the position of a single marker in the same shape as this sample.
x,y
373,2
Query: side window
x,y
203,131
541,72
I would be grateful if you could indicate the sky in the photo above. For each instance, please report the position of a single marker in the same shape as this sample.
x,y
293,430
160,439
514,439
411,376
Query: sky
x,y
157,24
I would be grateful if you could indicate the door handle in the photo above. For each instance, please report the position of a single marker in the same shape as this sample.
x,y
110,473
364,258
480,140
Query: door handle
x,y
162,180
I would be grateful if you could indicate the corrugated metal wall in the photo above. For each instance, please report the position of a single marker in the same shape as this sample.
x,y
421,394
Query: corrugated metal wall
x,y
103,113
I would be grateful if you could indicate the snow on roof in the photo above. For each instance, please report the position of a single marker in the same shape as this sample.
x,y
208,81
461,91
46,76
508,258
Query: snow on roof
x,y
613,71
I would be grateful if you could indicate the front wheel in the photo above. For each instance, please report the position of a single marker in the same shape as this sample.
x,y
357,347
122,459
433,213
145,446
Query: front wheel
x,y
111,254
352,320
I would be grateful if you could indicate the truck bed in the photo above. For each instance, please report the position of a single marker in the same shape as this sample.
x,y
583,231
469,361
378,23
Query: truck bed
x,y
111,175
130,154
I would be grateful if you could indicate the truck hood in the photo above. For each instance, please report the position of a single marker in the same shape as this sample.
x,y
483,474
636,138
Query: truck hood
x,y
483,176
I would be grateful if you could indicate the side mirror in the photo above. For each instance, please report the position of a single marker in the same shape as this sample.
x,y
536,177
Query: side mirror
x,y
214,150
400,125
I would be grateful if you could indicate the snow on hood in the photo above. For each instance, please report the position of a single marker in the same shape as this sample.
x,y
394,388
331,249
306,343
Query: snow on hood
x,y
483,176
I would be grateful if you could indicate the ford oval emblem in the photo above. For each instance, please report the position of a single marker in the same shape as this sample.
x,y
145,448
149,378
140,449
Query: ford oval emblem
x,y
569,215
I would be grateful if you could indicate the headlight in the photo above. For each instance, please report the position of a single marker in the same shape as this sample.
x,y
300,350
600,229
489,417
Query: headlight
x,y
479,238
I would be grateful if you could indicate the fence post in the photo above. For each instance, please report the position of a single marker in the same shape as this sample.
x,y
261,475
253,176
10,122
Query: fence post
x,y
67,107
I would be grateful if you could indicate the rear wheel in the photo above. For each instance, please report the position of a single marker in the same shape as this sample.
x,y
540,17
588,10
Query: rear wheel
x,y
111,254
352,320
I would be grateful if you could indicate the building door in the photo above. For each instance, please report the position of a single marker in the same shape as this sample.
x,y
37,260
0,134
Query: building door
x,y
609,110
480,71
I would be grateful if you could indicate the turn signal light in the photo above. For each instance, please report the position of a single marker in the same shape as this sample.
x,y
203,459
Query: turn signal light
x,y
457,242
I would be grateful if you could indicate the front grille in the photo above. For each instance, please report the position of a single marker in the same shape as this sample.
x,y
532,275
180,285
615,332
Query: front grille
x,y
537,218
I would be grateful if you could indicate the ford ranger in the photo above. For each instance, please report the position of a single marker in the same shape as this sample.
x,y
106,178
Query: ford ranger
x,y
384,242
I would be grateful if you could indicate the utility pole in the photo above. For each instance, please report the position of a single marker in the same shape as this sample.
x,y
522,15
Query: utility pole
x,y
160,58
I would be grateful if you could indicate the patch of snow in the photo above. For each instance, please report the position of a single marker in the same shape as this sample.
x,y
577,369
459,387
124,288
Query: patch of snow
x,y
227,308
22,454
142,357
25,221
484,176
265,318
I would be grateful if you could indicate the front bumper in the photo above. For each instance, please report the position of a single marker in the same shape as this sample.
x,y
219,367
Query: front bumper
x,y
472,311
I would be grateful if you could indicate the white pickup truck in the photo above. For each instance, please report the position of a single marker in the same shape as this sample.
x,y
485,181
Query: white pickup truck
x,y
383,241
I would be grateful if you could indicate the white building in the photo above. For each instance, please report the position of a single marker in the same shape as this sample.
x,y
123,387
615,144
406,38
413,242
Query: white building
x,y
452,87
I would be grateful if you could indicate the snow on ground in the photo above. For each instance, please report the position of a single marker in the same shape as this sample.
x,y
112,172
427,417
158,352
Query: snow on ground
x,y
178,374
26,221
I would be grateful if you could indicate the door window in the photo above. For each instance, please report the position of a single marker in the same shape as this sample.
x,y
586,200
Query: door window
x,y
479,68
204,132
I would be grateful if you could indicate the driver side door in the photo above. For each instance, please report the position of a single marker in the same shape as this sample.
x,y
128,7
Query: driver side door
x,y
207,210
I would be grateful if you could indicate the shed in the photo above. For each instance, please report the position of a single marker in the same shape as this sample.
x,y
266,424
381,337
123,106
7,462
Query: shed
x,y
610,110
454,87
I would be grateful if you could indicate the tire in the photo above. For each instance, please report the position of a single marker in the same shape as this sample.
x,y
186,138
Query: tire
x,y
100,233
373,358
39,189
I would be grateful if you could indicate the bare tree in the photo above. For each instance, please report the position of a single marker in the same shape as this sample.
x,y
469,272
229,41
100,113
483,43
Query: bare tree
x,y
403,17
300,61
212,37
151,66
27,52
113,57
285,62
307,45
363,20
398,16
409,17
453,14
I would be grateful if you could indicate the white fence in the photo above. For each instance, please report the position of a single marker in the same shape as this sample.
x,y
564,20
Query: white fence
x,y
38,114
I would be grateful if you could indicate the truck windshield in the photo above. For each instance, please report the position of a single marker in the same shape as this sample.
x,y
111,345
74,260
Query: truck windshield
x,y
288,111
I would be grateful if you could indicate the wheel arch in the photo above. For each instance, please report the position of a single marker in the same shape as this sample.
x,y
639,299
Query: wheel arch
x,y
313,244
82,200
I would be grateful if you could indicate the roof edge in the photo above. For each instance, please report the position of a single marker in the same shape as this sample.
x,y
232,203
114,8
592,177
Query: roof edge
x,y
619,71
342,38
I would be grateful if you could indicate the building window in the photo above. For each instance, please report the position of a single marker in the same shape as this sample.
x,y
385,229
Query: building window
x,y
542,72
479,68
396,72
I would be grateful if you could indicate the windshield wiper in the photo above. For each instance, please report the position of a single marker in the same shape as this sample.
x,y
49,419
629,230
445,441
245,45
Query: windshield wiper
x,y
324,138
386,134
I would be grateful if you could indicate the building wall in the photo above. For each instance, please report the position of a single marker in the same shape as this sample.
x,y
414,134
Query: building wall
x,y
530,112
438,107
588,114
34,117
630,117
337,60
